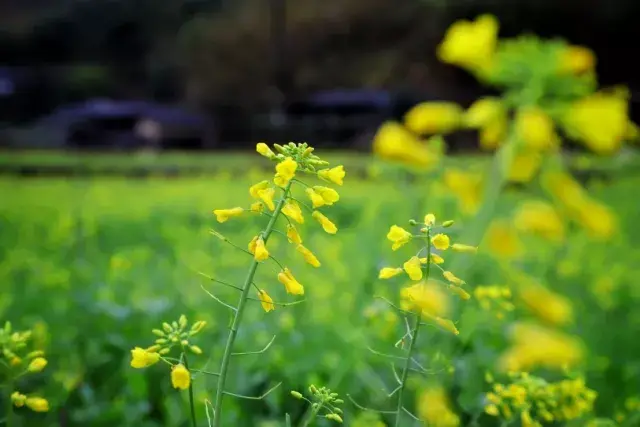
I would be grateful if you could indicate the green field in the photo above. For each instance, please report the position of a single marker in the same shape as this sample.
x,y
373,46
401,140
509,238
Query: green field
x,y
92,264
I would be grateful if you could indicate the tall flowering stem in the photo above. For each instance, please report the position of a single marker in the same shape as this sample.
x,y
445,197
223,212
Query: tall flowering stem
x,y
242,302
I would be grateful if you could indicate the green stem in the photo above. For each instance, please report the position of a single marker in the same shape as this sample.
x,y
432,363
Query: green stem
x,y
8,421
412,344
237,319
312,415
191,403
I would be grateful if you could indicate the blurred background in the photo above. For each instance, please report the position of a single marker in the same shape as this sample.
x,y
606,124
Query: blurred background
x,y
124,123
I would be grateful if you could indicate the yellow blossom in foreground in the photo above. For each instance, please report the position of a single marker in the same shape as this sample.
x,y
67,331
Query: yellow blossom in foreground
x,y
440,241
335,175
413,268
535,346
429,219
180,377
37,404
452,278
599,120
141,358
470,44
264,150
329,195
37,364
466,186
493,133
394,142
256,207
502,240
285,171
292,235
435,259
433,117
261,253
327,225
293,211
309,257
316,199
428,298
222,215
255,188
541,218
389,272
465,249
266,301
536,128
399,236
482,112
290,283
435,409
576,60
18,399
546,304
267,197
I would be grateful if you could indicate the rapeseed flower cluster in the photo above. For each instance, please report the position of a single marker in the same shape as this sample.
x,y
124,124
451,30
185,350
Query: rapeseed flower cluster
x,y
175,336
494,299
21,360
536,402
435,409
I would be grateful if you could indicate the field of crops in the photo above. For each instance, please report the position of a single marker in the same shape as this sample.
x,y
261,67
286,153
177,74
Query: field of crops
x,y
92,265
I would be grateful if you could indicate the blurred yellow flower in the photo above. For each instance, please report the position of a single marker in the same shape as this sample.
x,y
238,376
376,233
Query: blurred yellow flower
x,y
465,249
266,301
541,218
466,187
470,44
327,225
428,118
536,346
413,268
222,215
309,257
482,112
141,358
285,171
598,219
394,142
399,236
600,121
435,409
37,404
335,175
292,235
447,325
264,150
180,377
291,285
389,272
293,211
547,305
535,128
524,166
493,134
576,60
18,399
426,297
452,278
502,240
440,241
37,364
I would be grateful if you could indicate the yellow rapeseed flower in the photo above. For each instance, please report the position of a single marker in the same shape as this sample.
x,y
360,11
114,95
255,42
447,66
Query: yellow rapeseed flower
x,y
535,128
180,377
316,199
428,118
541,218
547,305
461,293
18,399
447,325
466,249
266,301
261,253
413,268
482,112
429,219
435,259
255,188
467,187
394,142
327,225
267,197
493,134
309,257
576,60
452,278
470,44
440,241
598,219
292,286
293,211
37,404
399,236
222,215
292,235
264,150
435,409
599,121
428,298
37,364
335,175
502,240
524,166
389,272
141,358
285,171
256,207
329,195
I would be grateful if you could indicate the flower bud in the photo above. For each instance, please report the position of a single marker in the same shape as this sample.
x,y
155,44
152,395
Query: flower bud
x,y
296,394
158,332
182,321
448,223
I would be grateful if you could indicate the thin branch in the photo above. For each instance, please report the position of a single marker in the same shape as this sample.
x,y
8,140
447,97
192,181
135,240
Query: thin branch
x,y
364,408
266,347
282,304
394,391
395,373
392,304
241,396
230,307
215,374
406,411
390,356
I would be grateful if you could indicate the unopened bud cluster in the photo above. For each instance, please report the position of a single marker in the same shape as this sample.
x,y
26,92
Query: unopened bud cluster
x,y
323,399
